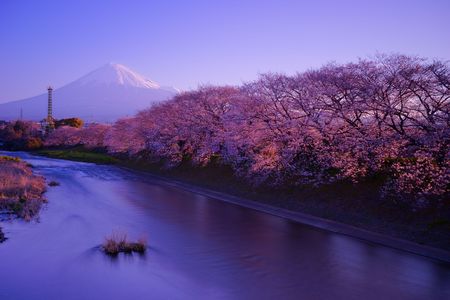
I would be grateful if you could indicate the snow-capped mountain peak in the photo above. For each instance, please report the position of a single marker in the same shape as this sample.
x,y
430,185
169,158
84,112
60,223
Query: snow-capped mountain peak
x,y
103,95
117,74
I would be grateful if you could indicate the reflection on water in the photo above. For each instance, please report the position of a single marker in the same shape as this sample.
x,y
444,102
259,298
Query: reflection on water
x,y
200,248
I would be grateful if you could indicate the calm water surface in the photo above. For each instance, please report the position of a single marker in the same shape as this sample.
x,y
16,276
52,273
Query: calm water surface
x,y
200,248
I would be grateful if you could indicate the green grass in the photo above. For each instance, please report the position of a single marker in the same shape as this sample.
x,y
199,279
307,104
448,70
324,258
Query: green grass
x,y
79,155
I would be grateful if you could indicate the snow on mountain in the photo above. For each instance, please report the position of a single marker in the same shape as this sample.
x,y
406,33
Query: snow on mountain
x,y
117,74
103,95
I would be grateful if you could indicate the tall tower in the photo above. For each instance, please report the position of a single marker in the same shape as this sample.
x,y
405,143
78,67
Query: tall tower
x,y
50,105
48,124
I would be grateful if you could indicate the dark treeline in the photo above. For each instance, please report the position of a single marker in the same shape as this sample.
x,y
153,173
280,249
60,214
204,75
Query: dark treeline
x,y
20,135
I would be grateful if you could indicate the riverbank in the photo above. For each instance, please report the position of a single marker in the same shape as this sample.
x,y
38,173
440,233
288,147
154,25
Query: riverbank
x,y
317,222
21,191
344,208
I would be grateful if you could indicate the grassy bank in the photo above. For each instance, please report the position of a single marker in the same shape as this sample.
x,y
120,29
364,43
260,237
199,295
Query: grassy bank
x,y
21,192
357,205
78,154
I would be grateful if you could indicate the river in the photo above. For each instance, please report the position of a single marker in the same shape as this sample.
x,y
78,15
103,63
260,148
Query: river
x,y
199,248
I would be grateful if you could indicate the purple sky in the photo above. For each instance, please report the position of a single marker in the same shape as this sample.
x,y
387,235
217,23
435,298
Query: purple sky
x,y
185,43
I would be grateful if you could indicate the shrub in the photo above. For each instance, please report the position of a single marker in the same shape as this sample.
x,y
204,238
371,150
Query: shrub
x,y
33,143
72,122
417,181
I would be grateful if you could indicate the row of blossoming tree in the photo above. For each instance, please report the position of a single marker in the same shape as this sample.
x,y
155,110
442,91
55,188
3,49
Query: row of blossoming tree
x,y
384,117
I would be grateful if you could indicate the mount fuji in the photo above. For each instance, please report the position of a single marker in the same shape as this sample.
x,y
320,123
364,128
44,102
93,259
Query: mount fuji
x,y
104,95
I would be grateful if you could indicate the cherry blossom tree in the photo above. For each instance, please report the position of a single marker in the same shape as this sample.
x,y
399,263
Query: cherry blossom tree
x,y
63,136
93,135
341,122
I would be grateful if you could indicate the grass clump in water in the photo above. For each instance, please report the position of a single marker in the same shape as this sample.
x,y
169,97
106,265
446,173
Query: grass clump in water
x,y
2,236
117,243
53,183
